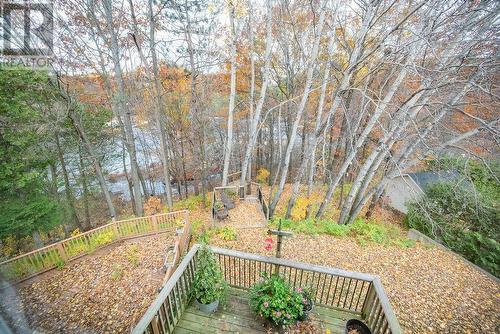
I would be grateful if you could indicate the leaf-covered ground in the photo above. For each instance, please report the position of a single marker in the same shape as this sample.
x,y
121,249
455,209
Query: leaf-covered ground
x,y
430,289
247,213
107,292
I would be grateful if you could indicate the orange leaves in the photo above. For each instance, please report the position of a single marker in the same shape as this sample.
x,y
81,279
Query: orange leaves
x,y
153,206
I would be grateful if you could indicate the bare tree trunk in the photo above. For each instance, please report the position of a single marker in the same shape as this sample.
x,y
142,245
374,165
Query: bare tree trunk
x,y
300,111
75,121
83,178
70,198
379,109
263,90
251,97
160,121
123,108
361,197
232,96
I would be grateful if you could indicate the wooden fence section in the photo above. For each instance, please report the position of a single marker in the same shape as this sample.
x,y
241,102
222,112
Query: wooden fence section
x,y
242,192
233,192
262,201
181,243
40,260
350,291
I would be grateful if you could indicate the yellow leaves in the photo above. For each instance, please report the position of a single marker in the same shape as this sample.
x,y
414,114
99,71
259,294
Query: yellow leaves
x,y
361,74
240,8
341,59
262,175
299,210
76,232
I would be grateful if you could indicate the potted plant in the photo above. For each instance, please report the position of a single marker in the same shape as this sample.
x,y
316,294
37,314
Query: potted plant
x,y
209,287
179,227
307,294
273,299
355,326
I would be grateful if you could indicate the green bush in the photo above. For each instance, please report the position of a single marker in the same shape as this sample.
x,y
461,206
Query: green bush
x,y
362,230
191,203
132,255
77,248
226,233
208,284
60,263
117,271
462,219
101,239
274,299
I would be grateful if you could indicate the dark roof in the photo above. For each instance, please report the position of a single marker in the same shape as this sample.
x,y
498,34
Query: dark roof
x,y
425,179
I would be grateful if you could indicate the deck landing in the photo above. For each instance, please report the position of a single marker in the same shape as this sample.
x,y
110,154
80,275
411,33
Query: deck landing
x,y
237,317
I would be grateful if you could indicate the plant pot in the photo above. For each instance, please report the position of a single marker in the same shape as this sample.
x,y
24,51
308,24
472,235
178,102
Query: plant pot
x,y
207,308
179,230
357,325
307,311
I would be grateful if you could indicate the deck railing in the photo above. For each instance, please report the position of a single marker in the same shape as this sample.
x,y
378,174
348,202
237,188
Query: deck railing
x,y
49,257
260,197
362,294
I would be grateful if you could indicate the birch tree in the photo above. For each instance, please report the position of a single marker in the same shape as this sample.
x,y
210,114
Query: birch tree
x,y
232,95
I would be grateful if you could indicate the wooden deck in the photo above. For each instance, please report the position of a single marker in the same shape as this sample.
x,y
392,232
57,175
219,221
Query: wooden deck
x,y
237,317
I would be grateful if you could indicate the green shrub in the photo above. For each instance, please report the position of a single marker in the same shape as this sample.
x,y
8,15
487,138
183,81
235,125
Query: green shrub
x,y
77,249
208,284
18,269
60,264
332,228
218,206
370,232
274,299
462,219
226,233
191,203
101,239
364,232
231,193
117,271
203,237
132,256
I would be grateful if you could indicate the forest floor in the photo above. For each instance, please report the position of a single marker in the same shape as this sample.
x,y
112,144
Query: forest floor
x,y
430,289
106,292
247,213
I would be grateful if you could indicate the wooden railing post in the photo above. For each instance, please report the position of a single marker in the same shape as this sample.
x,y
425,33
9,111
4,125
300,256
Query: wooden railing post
x,y
367,305
117,231
61,251
156,226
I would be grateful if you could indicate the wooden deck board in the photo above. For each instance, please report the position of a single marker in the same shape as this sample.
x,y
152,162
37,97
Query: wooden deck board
x,y
236,317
